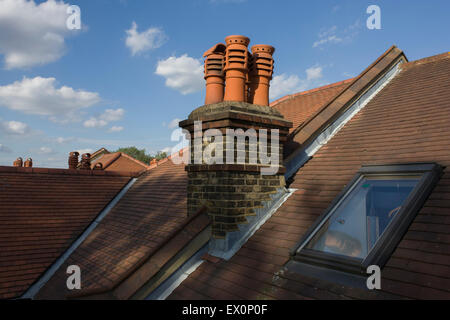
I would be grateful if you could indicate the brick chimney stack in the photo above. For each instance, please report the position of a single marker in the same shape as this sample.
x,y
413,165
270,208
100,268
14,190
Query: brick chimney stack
x,y
235,192
28,163
73,160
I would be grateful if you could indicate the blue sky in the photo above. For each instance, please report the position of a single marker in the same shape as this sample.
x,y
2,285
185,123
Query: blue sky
x,y
135,67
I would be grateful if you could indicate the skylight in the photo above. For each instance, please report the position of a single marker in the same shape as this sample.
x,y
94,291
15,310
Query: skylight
x,y
366,221
364,214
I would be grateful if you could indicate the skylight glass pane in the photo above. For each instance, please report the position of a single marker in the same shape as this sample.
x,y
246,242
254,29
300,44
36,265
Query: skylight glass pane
x,y
361,218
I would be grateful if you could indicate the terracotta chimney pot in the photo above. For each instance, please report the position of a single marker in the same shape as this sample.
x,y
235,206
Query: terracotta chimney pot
x,y
86,161
261,70
28,163
73,160
214,74
236,67
154,161
18,162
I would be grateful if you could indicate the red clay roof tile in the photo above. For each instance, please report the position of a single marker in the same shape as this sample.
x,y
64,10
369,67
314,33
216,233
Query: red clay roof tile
x,y
406,122
42,212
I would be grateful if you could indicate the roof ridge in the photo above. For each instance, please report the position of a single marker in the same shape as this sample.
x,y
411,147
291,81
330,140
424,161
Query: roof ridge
x,y
114,157
134,159
437,57
58,171
345,91
293,95
164,160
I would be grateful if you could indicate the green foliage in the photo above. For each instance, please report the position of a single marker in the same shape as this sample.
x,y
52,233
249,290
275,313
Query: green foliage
x,y
160,155
141,155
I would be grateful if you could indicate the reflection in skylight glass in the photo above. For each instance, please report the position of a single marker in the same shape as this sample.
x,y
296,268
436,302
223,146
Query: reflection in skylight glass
x,y
361,218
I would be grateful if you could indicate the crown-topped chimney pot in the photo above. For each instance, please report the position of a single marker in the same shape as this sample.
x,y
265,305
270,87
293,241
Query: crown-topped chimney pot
x,y
260,74
236,68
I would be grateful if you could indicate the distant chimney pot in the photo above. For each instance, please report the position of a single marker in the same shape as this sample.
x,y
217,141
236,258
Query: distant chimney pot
x,y
86,161
28,163
18,162
98,166
154,161
73,160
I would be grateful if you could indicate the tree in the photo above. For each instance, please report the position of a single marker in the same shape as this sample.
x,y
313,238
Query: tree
x,y
138,154
141,155
160,155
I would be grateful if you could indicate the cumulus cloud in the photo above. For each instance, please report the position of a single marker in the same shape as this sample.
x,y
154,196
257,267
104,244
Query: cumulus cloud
x,y
174,123
62,140
40,96
314,73
149,39
115,129
14,127
284,84
82,151
32,34
4,149
45,150
184,74
110,115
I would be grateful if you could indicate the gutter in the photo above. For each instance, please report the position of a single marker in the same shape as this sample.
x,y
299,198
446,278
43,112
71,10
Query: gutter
x,y
34,289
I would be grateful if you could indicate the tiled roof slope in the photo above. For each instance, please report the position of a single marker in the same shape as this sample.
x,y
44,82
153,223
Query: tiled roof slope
x,y
119,161
42,212
408,121
298,107
141,221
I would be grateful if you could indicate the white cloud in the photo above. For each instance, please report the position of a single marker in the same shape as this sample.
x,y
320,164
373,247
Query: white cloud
x,y
62,140
284,84
39,96
82,151
32,34
14,127
333,35
184,74
4,149
115,129
45,150
110,115
314,73
149,39
174,123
